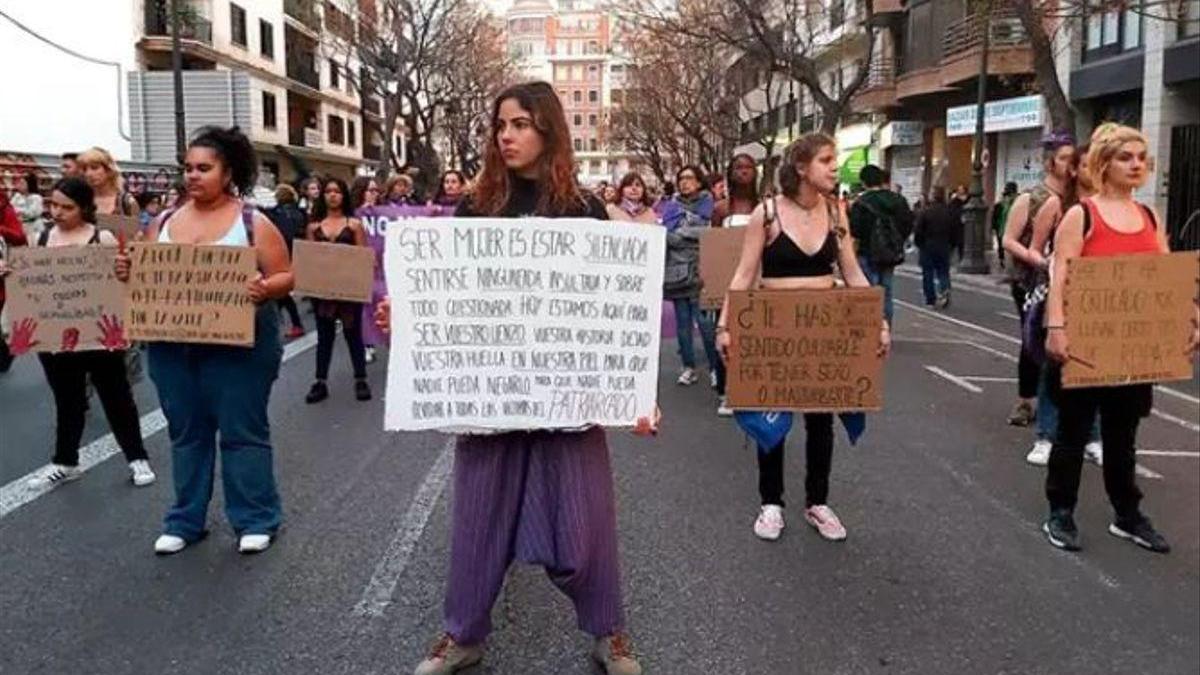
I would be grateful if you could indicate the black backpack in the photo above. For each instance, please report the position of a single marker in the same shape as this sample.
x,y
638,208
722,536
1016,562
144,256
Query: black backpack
x,y
885,245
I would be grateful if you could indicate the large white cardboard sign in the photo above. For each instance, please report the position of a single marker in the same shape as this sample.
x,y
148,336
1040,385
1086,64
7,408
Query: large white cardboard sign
x,y
527,323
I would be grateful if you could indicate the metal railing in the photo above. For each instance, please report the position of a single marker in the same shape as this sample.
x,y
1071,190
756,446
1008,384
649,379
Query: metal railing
x,y
304,11
966,34
882,73
191,25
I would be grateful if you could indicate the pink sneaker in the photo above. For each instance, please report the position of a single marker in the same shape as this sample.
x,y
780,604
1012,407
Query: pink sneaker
x,y
826,521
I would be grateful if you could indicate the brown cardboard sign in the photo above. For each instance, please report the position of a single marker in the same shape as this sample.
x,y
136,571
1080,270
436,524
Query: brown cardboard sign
x,y
65,299
1128,318
189,293
119,225
333,271
808,351
720,251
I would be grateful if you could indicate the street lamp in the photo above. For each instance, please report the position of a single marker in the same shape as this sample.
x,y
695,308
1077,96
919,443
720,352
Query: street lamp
x,y
975,211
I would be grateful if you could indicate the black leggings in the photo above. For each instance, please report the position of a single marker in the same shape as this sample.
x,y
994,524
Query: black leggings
x,y
288,303
67,374
818,449
1028,370
1121,410
352,331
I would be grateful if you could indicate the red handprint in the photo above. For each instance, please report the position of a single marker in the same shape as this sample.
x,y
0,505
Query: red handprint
x,y
70,339
21,341
112,333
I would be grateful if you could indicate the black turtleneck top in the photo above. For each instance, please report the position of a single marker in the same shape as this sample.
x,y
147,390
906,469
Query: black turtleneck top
x,y
524,202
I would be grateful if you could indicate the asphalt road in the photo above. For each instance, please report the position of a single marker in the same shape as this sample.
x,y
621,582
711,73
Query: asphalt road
x,y
945,570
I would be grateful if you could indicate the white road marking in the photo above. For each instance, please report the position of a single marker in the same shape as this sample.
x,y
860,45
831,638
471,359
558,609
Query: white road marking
x,y
993,351
985,379
1170,453
1010,315
1146,473
379,590
18,492
1190,426
954,379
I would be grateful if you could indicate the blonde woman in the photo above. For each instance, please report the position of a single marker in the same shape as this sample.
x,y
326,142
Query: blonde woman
x,y
101,172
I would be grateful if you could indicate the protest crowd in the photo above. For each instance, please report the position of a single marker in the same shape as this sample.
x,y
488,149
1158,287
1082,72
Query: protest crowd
x,y
541,491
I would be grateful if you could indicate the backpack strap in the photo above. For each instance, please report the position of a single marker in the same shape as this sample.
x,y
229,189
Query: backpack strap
x,y
248,222
1149,216
1086,203
44,237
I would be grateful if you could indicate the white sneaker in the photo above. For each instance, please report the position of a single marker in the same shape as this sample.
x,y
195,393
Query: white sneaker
x,y
723,409
1040,454
369,355
1094,452
141,473
687,377
712,379
168,544
55,474
770,522
254,543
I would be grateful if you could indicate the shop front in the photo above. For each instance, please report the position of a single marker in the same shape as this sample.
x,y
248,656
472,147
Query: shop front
x,y
903,143
1013,147
854,152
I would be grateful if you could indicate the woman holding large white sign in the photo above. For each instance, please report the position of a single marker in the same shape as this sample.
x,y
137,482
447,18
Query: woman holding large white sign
x,y
208,390
1111,223
777,244
543,497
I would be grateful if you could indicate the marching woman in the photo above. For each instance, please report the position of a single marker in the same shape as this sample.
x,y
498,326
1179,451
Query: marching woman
x,y
216,390
332,223
73,208
1111,223
782,232
634,204
541,497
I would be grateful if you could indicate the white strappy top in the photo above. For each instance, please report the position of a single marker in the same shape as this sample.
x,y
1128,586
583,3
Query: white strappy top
x,y
234,236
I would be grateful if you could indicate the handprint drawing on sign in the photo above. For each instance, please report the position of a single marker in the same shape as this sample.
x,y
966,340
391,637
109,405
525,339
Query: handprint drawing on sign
x,y
70,339
112,333
21,341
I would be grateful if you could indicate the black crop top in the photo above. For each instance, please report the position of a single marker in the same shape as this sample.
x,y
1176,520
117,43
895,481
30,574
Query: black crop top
x,y
783,257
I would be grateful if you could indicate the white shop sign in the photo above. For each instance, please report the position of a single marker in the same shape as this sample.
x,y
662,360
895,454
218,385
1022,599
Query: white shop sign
x,y
523,323
1024,112
898,132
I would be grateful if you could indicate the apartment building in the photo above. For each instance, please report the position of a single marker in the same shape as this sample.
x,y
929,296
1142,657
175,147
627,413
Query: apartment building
x,y
574,45
265,66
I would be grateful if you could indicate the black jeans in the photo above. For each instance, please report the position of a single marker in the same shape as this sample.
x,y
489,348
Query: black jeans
x,y
67,374
352,331
1028,370
288,303
1121,410
818,449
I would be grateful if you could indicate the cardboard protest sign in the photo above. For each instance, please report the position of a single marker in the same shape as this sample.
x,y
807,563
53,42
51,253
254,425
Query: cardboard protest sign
x,y
65,299
189,293
720,251
1128,318
809,351
333,271
129,226
522,323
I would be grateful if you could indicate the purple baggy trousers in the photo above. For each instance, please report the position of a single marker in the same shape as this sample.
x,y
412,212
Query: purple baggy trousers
x,y
540,497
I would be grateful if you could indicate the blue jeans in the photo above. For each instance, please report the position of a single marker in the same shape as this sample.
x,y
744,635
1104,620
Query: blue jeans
x,y
935,274
211,390
1047,410
880,276
687,312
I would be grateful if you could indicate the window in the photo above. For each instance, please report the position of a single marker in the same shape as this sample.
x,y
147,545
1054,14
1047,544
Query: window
x,y
577,96
335,75
593,96
594,166
337,132
266,39
592,145
837,13
268,109
1189,19
237,25
592,120
578,120
578,145
1107,33
351,134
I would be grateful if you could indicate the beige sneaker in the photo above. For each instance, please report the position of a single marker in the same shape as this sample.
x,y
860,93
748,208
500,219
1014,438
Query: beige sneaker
x,y
614,653
447,656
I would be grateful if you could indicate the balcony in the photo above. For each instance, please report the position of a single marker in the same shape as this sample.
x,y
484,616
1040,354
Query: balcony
x,y
304,12
879,90
302,68
192,26
886,12
1008,49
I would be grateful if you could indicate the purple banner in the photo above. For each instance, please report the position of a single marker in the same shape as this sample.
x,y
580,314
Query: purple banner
x,y
375,220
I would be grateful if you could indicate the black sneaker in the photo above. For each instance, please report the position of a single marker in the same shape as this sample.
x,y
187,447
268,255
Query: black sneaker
x,y
1139,530
319,392
1061,531
362,391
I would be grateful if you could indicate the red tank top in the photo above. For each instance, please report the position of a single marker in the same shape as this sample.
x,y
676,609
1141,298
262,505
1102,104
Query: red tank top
x,y
1102,240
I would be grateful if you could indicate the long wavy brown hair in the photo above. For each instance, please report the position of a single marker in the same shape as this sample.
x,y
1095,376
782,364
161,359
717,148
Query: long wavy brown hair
x,y
559,191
